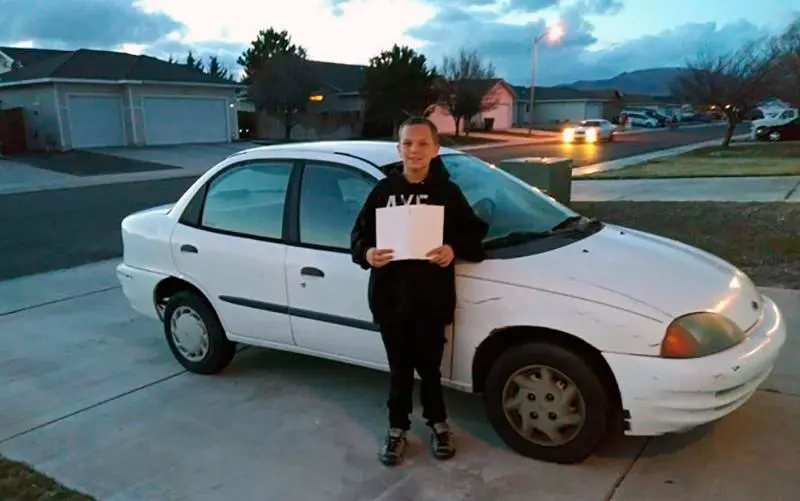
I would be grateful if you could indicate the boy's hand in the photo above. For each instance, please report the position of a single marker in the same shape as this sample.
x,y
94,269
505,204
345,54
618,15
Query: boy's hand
x,y
442,256
379,257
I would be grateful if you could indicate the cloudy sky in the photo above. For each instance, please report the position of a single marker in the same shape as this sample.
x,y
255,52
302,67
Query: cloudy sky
x,y
603,37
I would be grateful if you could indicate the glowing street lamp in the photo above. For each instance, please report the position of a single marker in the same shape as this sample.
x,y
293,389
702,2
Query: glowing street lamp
x,y
554,34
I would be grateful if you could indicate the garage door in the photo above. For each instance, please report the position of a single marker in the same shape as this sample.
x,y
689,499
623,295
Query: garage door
x,y
175,120
96,121
502,116
594,110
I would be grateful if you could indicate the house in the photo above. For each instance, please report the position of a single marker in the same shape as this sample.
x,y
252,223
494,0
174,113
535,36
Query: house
x,y
335,110
557,105
496,92
91,98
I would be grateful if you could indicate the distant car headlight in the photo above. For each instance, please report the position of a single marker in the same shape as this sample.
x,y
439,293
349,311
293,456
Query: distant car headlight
x,y
568,135
699,335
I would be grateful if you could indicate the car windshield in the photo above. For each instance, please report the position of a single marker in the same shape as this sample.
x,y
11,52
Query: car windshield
x,y
591,123
509,205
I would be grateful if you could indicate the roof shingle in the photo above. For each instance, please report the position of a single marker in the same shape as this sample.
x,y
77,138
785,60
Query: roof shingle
x,y
88,64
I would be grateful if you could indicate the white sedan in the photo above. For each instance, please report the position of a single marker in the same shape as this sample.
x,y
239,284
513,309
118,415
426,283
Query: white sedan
x,y
572,329
590,131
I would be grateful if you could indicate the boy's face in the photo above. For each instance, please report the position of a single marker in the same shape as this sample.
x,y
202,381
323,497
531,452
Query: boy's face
x,y
417,147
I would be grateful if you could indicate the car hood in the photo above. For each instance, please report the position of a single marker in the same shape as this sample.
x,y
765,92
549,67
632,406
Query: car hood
x,y
634,271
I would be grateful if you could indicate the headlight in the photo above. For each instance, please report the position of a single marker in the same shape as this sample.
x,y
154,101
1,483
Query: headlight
x,y
569,135
699,335
591,135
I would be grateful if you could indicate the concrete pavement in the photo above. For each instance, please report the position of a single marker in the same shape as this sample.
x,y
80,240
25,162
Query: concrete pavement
x,y
93,398
710,189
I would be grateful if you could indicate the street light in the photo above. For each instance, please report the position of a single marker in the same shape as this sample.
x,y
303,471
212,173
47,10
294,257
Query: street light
x,y
553,34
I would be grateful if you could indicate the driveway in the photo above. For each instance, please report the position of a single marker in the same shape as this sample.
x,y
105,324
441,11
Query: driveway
x,y
197,157
92,397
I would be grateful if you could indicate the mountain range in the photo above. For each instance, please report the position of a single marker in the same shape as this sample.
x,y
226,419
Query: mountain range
x,y
653,82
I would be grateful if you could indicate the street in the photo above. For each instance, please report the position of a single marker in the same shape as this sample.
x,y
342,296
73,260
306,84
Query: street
x,y
56,229
624,145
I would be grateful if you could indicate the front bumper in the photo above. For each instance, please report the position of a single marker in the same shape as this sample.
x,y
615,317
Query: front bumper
x,y
665,395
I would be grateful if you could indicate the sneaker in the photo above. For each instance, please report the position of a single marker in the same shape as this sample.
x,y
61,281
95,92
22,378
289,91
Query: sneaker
x,y
394,446
442,444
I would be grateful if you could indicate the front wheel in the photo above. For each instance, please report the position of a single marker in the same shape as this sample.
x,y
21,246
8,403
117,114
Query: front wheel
x,y
547,403
195,335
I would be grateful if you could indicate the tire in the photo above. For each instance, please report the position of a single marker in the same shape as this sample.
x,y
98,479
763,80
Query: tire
x,y
774,136
592,394
198,314
611,138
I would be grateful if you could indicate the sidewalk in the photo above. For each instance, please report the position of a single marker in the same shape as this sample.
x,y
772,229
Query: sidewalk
x,y
710,189
92,397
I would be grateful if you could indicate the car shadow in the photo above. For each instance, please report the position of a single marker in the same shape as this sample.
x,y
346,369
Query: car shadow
x,y
362,393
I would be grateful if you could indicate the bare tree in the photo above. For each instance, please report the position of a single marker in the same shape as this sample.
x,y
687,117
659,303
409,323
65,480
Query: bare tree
x,y
735,82
787,66
282,87
464,85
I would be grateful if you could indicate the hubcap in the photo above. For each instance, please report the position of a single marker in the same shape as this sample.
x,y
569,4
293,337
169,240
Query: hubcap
x,y
544,405
189,333
775,136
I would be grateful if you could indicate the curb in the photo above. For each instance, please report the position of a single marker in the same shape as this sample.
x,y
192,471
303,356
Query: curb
x,y
81,182
637,159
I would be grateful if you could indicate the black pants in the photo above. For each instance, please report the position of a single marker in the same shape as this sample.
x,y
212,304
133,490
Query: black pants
x,y
414,345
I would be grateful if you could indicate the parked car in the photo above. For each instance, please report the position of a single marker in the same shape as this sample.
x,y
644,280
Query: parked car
x,y
789,131
641,119
572,329
773,119
590,131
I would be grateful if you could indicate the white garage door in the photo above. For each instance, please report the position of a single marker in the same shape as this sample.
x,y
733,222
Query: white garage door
x,y
177,120
96,121
502,116
594,110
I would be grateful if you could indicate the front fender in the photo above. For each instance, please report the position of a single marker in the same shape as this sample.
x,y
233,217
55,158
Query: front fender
x,y
485,306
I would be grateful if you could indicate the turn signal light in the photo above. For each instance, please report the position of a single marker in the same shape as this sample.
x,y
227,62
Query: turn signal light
x,y
679,343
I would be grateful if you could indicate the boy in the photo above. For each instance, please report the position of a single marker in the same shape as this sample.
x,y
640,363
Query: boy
x,y
414,300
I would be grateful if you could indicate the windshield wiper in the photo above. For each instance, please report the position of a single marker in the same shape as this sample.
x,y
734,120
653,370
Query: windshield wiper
x,y
576,222
515,237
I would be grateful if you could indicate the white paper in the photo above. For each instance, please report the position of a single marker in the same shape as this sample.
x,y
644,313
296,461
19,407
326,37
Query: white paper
x,y
410,230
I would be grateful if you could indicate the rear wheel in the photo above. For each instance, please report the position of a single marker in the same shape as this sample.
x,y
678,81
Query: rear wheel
x,y
195,335
546,402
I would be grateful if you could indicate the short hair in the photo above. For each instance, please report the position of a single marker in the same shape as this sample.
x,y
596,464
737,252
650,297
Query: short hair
x,y
420,121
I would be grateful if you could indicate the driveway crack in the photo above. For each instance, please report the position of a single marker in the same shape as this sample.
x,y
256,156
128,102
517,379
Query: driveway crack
x,y
56,301
791,192
90,407
624,475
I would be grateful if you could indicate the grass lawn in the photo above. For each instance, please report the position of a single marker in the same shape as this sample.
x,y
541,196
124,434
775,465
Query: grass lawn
x,y
450,140
19,482
759,238
760,159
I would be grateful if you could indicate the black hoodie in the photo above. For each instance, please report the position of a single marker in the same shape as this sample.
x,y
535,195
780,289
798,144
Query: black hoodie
x,y
416,288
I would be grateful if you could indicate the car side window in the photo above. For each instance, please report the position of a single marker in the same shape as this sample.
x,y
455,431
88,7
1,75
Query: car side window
x,y
248,200
331,197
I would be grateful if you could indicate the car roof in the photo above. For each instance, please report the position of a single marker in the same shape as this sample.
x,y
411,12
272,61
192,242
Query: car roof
x,y
376,152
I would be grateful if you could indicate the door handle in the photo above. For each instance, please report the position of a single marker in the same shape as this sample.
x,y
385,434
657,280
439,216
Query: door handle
x,y
189,248
312,272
